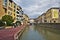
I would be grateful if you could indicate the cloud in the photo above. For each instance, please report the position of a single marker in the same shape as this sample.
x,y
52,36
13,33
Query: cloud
x,y
34,8
17,1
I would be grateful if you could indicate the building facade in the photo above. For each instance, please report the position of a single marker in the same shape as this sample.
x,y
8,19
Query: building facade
x,y
25,18
9,7
51,16
1,9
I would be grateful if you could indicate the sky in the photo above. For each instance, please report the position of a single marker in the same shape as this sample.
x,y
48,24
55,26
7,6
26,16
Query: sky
x,y
34,8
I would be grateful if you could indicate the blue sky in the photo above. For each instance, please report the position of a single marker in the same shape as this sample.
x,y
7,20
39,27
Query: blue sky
x,y
34,8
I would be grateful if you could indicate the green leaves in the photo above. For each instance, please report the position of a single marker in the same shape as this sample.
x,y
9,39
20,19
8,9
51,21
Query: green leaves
x,y
1,23
8,19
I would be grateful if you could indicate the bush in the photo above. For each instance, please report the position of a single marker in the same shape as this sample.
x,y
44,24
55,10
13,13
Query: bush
x,y
1,23
8,19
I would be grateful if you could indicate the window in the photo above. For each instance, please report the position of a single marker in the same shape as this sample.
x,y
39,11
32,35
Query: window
x,y
14,5
17,9
5,10
5,0
17,15
10,3
9,13
5,3
14,14
10,8
17,12
14,10
45,20
54,21
50,21
21,16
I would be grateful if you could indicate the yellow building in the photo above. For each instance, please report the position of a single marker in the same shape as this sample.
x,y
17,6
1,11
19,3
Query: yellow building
x,y
8,7
39,19
1,9
42,18
51,16
26,18
18,12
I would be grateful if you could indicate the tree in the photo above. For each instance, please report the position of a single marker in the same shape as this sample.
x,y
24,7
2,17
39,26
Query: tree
x,y
1,23
8,19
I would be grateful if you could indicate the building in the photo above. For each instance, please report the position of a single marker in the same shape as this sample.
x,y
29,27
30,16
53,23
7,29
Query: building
x,y
19,14
9,7
25,18
52,15
42,18
1,9
32,21
39,19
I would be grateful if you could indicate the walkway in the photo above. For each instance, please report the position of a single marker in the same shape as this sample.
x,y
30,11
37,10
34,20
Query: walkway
x,y
9,34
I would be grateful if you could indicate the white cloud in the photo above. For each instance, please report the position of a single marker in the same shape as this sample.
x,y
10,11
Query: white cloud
x,y
32,8
37,7
17,1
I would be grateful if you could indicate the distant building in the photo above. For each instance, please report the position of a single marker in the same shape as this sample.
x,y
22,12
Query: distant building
x,y
25,18
51,16
32,20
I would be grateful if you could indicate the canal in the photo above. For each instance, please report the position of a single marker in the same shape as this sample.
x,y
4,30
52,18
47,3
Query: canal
x,y
34,32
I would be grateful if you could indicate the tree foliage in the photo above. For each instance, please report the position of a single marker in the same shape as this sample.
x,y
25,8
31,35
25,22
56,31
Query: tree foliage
x,y
8,19
1,23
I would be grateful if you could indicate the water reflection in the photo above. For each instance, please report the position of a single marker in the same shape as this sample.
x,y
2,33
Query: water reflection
x,y
40,33
49,33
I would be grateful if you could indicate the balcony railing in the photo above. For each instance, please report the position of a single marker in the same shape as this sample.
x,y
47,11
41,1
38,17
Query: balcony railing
x,y
5,4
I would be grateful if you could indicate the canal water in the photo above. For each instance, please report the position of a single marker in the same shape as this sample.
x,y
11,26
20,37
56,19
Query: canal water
x,y
34,32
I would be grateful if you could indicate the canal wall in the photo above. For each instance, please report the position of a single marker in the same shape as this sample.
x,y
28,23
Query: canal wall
x,y
50,25
12,33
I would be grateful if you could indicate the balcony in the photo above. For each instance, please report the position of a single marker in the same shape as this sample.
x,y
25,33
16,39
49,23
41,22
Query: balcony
x,y
5,3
